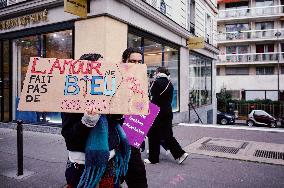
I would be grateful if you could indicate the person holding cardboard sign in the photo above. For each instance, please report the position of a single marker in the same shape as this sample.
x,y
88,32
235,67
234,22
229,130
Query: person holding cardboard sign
x,y
77,131
98,149
136,174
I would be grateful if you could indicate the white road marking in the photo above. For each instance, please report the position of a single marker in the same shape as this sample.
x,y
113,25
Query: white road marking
x,y
265,129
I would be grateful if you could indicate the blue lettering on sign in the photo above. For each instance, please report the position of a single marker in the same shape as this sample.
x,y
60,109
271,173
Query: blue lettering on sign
x,y
113,87
74,85
94,85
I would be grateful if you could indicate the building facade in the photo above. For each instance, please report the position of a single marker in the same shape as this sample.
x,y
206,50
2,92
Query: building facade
x,y
43,29
202,70
250,39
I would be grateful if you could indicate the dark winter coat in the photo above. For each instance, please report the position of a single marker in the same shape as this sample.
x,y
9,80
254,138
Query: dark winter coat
x,y
76,133
163,122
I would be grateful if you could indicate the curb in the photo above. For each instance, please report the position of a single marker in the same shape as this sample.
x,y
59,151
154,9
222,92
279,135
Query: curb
x,y
34,128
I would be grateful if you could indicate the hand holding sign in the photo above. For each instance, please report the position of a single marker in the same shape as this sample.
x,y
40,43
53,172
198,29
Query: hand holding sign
x,y
66,85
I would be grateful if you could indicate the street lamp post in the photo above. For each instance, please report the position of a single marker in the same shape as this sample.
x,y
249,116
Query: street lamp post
x,y
278,34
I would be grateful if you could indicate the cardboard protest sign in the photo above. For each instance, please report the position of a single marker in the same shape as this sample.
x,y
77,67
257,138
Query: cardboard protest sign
x,y
66,85
136,127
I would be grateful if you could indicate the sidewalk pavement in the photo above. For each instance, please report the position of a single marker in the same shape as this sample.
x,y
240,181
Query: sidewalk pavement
x,y
45,157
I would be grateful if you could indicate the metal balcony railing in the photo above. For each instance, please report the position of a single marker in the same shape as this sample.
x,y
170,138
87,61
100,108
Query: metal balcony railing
x,y
249,12
250,34
3,3
251,57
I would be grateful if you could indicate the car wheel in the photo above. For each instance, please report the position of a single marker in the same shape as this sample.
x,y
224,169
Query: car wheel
x,y
250,123
224,121
273,124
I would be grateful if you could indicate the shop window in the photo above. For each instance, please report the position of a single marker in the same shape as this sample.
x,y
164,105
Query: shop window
x,y
6,81
51,45
171,58
200,74
58,45
282,69
134,40
156,54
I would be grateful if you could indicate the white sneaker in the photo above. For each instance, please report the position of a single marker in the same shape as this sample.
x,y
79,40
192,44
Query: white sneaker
x,y
182,158
147,161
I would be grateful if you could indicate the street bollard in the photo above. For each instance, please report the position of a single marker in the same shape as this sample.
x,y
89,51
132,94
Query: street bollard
x,y
20,147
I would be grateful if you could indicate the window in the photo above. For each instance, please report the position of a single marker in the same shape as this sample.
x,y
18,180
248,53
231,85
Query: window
x,y
264,48
200,75
267,26
265,52
237,27
240,6
237,5
237,70
282,69
263,3
218,71
156,54
264,70
208,29
50,45
234,31
266,7
237,49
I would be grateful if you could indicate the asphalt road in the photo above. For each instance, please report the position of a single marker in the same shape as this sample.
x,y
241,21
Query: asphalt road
x,y
45,155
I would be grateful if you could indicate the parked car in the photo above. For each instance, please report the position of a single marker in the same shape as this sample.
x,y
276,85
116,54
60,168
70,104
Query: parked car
x,y
260,117
225,118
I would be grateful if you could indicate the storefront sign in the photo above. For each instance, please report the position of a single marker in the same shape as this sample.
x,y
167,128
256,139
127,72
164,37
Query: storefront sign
x,y
66,85
136,127
24,20
76,7
195,42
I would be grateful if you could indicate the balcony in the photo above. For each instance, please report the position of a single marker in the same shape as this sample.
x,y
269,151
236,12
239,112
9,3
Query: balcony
x,y
5,3
250,58
250,12
250,35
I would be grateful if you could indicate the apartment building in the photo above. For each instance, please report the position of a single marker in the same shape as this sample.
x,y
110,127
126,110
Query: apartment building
x,y
251,42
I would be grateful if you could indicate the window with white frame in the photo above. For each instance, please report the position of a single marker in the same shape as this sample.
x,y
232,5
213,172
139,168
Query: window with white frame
x,y
264,70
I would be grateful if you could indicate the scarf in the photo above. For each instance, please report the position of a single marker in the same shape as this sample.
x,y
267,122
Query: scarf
x,y
97,154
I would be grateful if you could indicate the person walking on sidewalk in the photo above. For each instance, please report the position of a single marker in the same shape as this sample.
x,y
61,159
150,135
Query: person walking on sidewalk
x,y
161,92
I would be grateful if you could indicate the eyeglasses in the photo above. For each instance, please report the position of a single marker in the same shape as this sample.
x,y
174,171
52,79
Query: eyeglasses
x,y
134,61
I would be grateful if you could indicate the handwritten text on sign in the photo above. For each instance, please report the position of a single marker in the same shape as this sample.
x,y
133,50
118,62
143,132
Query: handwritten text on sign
x,y
136,127
66,85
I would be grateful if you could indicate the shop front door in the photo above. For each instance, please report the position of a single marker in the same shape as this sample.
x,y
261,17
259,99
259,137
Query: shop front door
x,y
5,82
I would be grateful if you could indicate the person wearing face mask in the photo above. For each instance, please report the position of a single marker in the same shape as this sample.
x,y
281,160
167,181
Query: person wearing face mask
x,y
161,94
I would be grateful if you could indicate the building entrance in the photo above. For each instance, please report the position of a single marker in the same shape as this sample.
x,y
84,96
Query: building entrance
x,y
5,81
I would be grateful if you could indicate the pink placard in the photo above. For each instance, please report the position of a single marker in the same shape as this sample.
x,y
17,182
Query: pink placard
x,y
136,127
